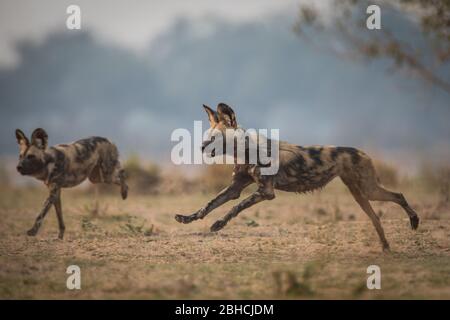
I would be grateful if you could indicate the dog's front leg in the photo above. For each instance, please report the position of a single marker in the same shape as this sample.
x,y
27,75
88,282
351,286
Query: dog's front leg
x,y
231,192
59,215
264,192
47,205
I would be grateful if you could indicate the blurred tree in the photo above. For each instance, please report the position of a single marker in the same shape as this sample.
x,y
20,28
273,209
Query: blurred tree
x,y
345,22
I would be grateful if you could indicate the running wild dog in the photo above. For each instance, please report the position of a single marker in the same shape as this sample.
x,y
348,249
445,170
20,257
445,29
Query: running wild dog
x,y
301,169
66,166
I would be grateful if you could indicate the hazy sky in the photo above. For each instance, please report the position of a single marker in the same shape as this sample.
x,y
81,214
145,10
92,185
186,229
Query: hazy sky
x,y
140,69
131,23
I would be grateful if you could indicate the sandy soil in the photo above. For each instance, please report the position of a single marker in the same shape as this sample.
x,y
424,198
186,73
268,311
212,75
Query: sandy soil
x,y
295,246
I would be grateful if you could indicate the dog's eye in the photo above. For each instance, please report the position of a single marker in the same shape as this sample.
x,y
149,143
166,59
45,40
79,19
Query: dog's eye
x,y
31,156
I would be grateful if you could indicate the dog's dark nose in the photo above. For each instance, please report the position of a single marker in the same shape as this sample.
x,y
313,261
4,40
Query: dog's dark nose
x,y
19,168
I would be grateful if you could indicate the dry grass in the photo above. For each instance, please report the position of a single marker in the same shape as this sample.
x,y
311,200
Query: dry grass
x,y
296,246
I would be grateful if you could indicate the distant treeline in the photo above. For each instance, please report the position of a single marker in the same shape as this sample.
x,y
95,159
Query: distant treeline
x,y
146,177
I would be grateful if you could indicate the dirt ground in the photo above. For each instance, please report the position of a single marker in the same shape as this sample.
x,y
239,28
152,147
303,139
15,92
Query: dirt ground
x,y
296,246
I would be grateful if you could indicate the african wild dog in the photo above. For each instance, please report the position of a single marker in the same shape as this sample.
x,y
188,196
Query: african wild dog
x,y
67,165
301,169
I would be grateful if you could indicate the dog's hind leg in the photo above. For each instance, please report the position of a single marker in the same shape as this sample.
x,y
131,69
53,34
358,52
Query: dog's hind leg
x,y
113,172
119,178
381,194
367,208
364,176
123,185
110,174
96,175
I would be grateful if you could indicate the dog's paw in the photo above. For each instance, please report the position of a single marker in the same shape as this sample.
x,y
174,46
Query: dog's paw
x,y
414,222
184,219
32,232
219,224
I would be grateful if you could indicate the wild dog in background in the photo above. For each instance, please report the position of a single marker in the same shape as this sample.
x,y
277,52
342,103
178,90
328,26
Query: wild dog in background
x,y
67,165
301,169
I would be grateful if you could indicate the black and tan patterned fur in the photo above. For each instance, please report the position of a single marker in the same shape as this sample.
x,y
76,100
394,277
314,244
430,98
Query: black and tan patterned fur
x,y
66,166
301,169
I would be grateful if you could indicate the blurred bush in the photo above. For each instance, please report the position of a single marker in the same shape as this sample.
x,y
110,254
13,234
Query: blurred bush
x,y
437,178
142,177
215,177
387,173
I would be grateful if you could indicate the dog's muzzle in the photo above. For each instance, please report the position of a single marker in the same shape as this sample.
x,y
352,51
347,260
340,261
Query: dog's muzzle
x,y
20,169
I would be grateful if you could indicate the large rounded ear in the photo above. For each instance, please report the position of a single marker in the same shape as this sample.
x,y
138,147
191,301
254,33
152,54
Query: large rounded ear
x,y
22,140
39,138
226,114
212,115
